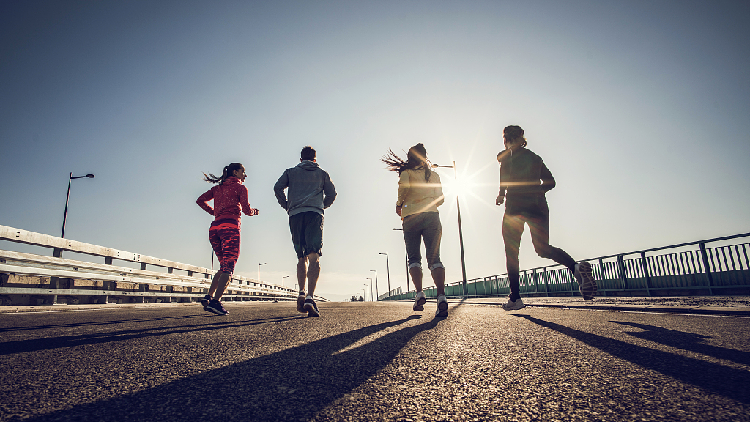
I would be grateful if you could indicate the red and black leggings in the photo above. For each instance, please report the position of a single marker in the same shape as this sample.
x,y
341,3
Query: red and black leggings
x,y
224,236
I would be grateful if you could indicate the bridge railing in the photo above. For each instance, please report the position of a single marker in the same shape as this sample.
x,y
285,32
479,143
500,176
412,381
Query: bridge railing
x,y
27,278
702,267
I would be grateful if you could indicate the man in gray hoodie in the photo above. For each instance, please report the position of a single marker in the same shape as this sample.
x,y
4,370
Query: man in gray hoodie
x,y
310,192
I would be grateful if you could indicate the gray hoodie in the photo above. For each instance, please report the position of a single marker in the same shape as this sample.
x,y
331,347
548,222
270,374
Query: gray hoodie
x,y
307,185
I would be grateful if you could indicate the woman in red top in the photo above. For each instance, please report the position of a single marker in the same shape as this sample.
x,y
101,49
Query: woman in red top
x,y
230,199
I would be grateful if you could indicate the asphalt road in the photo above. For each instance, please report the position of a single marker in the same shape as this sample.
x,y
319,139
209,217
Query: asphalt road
x,y
365,361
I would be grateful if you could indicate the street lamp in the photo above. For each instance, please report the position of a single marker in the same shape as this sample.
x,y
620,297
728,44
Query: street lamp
x,y
259,264
460,233
65,214
282,280
388,270
58,252
364,292
370,278
377,295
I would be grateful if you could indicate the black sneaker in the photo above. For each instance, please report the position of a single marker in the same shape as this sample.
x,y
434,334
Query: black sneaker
x,y
204,302
216,307
311,308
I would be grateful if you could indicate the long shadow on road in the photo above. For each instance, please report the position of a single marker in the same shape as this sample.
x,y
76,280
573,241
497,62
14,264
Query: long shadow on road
x,y
687,341
719,379
293,384
48,343
98,323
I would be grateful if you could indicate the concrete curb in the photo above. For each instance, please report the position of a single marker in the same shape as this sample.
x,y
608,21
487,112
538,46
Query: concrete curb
x,y
698,310
738,306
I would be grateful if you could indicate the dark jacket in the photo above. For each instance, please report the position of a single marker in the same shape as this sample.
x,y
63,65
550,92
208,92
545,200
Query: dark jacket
x,y
310,189
524,179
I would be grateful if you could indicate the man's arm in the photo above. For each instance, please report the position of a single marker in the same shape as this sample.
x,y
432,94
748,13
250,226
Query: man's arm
x,y
329,191
278,189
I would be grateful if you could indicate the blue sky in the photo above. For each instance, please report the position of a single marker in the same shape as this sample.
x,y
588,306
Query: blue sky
x,y
640,110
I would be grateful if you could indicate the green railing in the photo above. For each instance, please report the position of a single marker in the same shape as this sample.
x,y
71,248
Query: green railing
x,y
692,268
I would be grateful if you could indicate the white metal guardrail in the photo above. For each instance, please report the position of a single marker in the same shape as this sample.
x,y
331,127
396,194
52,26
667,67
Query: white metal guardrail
x,y
27,278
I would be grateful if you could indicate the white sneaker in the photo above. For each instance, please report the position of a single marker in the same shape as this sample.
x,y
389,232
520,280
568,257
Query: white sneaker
x,y
419,301
301,302
586,283
442,307
513,306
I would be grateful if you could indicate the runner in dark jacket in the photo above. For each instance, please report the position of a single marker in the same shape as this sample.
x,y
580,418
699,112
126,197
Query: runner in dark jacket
x,y
310,191
524,179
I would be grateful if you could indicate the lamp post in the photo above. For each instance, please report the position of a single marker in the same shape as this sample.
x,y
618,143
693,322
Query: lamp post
x,y
388,270
58,252
259,264
460,233
65,214
377,295
407,268
364,292
371,298
282,280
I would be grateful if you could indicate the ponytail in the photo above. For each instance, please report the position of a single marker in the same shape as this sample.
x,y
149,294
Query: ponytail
x,y
415,158
226,174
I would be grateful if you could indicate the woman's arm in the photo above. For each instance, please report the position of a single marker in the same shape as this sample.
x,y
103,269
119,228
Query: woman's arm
x,y
548,181
404,184
244,204
203,199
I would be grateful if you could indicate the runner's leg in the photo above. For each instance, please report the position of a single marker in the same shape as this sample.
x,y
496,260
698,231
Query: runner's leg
x,y
432,234
539,229
313,272
512,231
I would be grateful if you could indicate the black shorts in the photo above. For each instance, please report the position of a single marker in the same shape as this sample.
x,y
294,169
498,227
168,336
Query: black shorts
x,y
307,233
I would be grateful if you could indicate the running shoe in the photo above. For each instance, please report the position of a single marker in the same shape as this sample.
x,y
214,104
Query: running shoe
x,y
586,283
301,302
419,301
204,302
442,307
513,305
311,308
216,307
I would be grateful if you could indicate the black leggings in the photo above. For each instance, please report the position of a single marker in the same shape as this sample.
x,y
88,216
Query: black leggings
x,y
538,221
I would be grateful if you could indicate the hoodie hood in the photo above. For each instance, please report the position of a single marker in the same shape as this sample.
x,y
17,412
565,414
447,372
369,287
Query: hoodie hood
x,y
308,165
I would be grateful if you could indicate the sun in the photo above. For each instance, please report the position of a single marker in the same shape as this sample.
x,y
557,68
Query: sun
x,y
462,185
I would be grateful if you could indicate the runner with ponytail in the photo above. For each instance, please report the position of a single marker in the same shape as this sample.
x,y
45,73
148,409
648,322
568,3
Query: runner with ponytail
x,y
230,200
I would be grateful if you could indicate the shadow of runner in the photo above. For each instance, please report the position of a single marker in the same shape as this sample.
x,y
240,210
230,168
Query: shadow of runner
x,y
47,343
99,323
719,379
686,341
293,384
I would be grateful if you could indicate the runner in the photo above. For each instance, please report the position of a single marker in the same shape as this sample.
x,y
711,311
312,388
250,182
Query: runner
x,y
524,179
230,197
419,195
310,192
